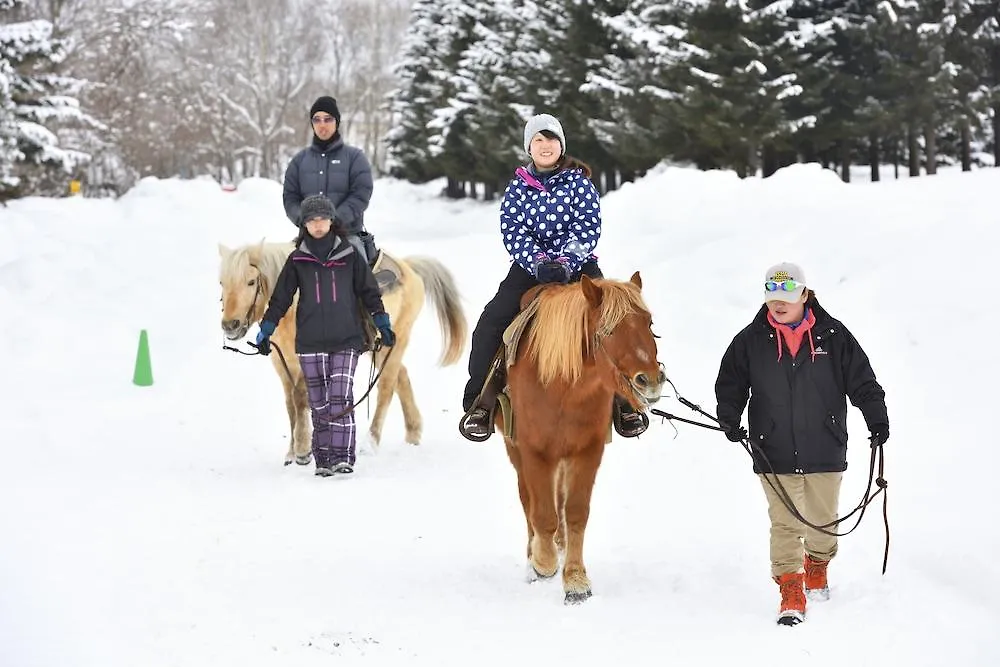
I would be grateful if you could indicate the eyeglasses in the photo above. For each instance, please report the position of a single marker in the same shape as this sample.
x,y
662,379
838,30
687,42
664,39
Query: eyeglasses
x,y
783,285
322,120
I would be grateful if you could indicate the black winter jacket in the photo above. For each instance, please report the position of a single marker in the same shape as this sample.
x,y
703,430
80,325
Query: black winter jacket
x,y
328,318
342,173
798,407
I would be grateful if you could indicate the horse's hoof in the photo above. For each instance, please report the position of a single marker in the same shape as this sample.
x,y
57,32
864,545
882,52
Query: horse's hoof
x,y
576,597
541,575
303,460
288,462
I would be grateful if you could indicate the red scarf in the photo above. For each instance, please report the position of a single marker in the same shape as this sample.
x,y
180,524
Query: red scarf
x,y
793,337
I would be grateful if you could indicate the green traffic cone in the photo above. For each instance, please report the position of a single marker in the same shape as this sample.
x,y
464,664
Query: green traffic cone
x,y
143,369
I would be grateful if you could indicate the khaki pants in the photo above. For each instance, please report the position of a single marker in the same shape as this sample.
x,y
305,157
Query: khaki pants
x,y
816,497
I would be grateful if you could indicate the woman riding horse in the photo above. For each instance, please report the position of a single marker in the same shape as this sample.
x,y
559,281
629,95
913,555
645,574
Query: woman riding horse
x,y
550,220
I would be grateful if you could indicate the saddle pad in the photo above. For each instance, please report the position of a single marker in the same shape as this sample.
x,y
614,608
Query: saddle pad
x,y
512,334
386,272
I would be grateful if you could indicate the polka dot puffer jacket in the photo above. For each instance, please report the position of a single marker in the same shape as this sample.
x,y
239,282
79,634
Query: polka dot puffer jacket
x,y
559,219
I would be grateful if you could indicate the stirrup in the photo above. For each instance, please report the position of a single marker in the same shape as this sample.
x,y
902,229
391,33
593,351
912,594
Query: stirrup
x,y
464,429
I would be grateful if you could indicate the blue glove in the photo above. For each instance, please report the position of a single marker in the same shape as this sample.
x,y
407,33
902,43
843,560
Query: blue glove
x,y
384,328
552,271
264,337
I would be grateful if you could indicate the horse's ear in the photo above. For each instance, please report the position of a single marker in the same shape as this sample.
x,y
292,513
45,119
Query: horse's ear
x,y
591,292
257,252
223,250
636,280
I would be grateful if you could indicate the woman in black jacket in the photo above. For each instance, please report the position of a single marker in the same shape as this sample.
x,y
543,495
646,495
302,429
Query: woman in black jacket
x,y
798,366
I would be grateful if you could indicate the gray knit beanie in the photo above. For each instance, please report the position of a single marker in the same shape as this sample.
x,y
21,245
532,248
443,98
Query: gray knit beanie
x,y
539,123
315,206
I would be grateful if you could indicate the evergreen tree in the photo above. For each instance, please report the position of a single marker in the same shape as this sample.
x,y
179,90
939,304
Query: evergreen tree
x,y
33,95
641,82
413,101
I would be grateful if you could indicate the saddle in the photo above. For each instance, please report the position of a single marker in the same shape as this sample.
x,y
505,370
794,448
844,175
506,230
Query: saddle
x,y
495,391
386,269
387,272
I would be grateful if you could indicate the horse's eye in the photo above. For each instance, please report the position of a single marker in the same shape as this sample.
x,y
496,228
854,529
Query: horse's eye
x,y
252,283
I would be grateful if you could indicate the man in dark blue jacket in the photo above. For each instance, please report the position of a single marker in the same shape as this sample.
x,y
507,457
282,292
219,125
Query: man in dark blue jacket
x,y
331,168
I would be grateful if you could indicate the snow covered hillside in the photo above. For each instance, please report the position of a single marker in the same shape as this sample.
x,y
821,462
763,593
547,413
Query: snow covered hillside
x,y
157,526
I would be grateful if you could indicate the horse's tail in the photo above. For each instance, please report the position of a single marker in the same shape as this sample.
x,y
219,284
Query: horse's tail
x,y
439,284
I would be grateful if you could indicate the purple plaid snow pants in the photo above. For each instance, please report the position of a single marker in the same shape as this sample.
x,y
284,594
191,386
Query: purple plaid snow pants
x,y
330,385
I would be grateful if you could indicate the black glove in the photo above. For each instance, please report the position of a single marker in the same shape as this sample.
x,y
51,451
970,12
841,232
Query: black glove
x,y
735,433
552,272
880,433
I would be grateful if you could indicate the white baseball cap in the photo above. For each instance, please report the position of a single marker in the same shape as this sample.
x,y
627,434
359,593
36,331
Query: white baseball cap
x,y
779,278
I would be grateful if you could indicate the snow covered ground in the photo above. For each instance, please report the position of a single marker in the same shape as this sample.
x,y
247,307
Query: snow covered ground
x,y
156,526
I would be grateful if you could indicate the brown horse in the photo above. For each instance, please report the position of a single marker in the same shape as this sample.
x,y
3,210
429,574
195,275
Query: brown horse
x,y
586,342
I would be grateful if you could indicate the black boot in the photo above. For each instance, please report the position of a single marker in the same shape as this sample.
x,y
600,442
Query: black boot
x,y
477,422
627,421
476,425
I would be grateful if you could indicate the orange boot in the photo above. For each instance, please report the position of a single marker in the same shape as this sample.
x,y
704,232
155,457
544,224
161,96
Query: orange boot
x,y
817,587
793,599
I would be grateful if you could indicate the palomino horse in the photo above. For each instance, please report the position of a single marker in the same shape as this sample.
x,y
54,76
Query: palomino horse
x,y
586,342
248,274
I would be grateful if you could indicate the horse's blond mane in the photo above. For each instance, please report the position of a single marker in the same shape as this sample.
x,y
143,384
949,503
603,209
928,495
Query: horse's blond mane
x,y
269,258
559,339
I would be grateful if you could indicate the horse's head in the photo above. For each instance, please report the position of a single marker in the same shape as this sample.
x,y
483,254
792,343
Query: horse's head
x,y
244,289
622,326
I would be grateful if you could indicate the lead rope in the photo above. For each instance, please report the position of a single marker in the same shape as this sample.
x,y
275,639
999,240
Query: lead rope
x,y
751,448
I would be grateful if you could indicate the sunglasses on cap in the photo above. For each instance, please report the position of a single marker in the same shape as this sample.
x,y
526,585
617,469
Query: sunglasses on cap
x,y
783,285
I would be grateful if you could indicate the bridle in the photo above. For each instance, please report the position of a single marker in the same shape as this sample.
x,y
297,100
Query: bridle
x,y
599,336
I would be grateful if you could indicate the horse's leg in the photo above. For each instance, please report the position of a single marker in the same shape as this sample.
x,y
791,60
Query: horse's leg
x,y
386,387
561,506
539,477
580,484
522,489
292,417
290,407
411,414
303,422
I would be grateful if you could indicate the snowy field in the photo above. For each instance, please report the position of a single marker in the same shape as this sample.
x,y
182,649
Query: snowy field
x,y
156,526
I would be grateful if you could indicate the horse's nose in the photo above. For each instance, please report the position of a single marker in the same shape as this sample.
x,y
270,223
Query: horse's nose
x,y
641,380
230,325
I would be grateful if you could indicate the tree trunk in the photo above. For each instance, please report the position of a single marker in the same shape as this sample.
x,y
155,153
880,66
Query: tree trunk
x,y
489,192
753,158
895,157
611,177
808,153
913,150
873,156
930,145
845,160
453,189
596,178
966,145
768,160
996,135
627,176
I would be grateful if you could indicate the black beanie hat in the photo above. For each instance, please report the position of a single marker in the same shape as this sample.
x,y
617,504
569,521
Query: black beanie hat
x,y
327,104
315,206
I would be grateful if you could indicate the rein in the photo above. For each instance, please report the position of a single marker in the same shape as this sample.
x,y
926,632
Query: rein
x,y
752,448
373,377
